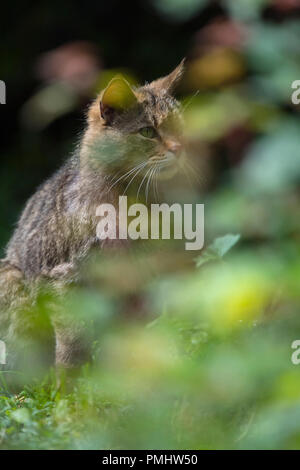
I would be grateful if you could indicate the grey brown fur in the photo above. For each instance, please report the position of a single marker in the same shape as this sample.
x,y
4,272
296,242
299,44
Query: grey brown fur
x,y
57,228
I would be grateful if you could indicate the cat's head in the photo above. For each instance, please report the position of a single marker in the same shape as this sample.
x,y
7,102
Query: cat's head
x,y
137,127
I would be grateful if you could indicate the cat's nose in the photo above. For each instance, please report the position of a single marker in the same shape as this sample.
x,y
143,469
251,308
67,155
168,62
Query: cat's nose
x,y
173,146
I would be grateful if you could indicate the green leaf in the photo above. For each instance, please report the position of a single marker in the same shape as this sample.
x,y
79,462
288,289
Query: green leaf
x,y
217,249
21,415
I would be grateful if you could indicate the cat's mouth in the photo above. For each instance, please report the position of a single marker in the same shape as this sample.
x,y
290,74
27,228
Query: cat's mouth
x,y
165,165
157,167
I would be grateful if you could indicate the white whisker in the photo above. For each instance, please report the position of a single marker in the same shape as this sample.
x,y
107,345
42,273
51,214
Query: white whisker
x,y
140,186
126,175
192,170
190,100
148,183
138,170
156,182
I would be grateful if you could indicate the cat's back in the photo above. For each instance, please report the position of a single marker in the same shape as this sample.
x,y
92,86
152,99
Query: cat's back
x,y
37,231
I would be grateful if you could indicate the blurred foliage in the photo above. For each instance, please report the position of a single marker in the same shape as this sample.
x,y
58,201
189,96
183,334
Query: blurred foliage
x,y
201,356
179,10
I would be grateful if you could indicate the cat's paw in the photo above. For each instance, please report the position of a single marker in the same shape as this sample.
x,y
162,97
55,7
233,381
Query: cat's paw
x,y
60,271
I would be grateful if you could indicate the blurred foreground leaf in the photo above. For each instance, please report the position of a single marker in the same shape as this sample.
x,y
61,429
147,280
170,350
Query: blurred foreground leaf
x,y
180,10
217,249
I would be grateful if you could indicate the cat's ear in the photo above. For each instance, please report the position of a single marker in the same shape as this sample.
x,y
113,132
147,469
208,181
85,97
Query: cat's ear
x,y
117,97
169,82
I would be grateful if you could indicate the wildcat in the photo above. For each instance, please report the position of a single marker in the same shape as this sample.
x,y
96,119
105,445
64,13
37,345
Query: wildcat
x,y
132,132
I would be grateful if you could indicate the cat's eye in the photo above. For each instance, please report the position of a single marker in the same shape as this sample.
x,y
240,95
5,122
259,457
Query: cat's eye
x,y
148,132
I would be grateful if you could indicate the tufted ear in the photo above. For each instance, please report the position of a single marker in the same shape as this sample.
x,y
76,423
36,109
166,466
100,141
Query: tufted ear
x,y
116,98
169,82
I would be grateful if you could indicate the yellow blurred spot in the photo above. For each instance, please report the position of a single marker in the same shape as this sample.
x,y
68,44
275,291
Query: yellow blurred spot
x,y
215,68
240,299
245,303
288,386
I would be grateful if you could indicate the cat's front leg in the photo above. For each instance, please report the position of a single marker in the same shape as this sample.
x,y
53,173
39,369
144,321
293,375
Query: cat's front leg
x,y
72,345
72,338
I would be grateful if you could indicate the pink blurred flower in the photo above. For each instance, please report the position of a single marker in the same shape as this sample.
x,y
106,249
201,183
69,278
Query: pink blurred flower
x,y
286,5
76,63
222,32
